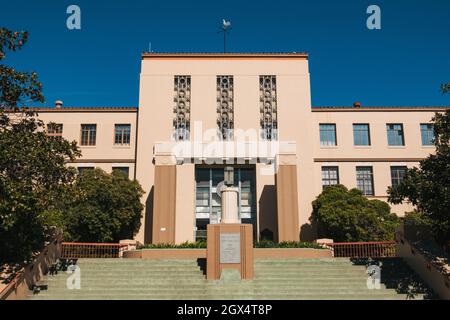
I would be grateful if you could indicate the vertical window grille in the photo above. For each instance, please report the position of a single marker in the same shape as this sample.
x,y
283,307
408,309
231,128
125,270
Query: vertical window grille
x,y
182,108
225,107
268,107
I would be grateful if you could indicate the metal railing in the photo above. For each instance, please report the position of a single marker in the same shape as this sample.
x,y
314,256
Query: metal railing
x,y
374,249
77,250
12,285
29,275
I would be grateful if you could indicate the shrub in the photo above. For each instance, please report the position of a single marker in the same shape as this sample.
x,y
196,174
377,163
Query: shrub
x,y
184,245
106,207
346,215
417,226
260,244
286,244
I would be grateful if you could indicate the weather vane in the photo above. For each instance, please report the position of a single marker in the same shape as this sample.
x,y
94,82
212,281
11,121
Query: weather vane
x,y
225,28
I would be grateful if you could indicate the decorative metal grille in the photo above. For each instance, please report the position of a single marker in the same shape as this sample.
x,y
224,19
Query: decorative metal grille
x,y
268,107
182,108
225,106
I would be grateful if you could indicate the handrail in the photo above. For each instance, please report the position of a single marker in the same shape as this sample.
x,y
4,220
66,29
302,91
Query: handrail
x,y
12,285
362,242
368,249
33,272
95,244
77,250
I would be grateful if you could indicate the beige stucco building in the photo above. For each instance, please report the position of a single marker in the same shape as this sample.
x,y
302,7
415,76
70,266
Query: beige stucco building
x,y
201,112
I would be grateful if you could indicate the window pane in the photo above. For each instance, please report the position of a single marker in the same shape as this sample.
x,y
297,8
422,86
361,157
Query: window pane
x,y
88,134
202,197
125,170
82,169
330,176
364,180
217,176
427,134
397,175
122,134
395,134
361,136
55,129
327,134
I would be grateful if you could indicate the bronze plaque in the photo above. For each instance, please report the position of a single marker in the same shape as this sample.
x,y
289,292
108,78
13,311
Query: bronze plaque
x,y
230,248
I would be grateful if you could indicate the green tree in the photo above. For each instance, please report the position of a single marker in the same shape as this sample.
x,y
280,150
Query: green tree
x,y
428,186
16,87
347,215
445,88
106,208
33,174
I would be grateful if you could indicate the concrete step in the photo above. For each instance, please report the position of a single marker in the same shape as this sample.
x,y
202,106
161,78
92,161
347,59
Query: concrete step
x,y
196,282
328,278
217,290
283,296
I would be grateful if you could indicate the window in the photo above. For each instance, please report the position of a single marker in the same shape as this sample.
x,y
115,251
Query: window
x,y
208,202
268,107
54,129
330,176
397,175
361,134
327,134
88,134
122,134
125,170
225,107
427,133
364,180
395,134
182,108
202,198
82,169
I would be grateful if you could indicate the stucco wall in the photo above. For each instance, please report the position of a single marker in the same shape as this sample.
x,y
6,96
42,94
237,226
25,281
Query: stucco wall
x,y
104,154
156,114
297,122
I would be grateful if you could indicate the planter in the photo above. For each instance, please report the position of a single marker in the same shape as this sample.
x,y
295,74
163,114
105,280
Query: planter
x,y
259,253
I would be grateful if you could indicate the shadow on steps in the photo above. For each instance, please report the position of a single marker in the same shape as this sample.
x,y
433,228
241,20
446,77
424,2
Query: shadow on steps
x,y
396,274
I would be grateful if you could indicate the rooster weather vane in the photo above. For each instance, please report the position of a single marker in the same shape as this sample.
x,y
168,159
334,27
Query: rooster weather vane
x,y
225,28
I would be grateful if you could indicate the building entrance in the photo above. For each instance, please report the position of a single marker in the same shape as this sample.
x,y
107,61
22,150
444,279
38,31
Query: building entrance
x,y
208,201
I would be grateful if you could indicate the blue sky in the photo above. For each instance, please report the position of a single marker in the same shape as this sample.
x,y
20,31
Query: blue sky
x,y
404,63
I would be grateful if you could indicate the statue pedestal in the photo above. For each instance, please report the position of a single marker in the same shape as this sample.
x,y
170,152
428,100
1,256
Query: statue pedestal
x,y
230,209
229,246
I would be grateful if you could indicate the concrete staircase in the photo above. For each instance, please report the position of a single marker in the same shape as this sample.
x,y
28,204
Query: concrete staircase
x,y
328,278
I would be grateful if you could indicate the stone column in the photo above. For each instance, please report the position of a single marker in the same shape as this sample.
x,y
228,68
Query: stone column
x,y
164,198
287,204
230,209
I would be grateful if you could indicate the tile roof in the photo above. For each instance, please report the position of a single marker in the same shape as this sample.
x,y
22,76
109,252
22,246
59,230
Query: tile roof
x,y
85,108
293,54
374,108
